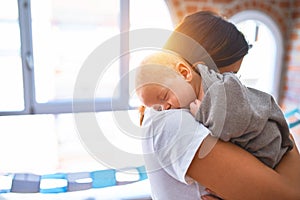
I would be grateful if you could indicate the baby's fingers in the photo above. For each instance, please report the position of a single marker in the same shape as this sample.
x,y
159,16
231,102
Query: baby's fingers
x,y
197,102
193,108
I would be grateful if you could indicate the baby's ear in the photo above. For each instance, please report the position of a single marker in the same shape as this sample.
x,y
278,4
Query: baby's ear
x,y
185,71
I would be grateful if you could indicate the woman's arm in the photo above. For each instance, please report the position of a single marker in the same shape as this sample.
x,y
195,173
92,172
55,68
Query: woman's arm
x,y
233,173
289,166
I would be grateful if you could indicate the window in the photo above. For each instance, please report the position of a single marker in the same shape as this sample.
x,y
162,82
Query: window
x,y
47,47
64,33
56,38
11,79
261,68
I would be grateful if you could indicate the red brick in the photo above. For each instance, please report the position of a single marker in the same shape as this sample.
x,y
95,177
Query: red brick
x,y
222,1
284,4
297,25
191,9
238,7
179,15
208,8
176,3
262,5
246,4
228,14
296,14
294,36
289,47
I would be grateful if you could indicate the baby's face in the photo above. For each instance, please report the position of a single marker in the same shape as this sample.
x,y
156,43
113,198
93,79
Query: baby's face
x,y
178,94
158,97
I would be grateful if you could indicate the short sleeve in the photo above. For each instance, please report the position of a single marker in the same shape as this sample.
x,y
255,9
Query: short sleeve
x,y
225,109
176,137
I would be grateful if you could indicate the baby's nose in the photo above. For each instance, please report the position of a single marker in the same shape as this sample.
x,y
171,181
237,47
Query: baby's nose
x,y
166,106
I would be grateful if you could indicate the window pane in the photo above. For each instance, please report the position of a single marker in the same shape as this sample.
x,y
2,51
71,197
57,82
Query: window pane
x,y
11,79
142,15
65,32
262,53
149,14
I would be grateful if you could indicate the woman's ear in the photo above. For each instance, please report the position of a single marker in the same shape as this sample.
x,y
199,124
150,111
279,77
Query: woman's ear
x,y
185,71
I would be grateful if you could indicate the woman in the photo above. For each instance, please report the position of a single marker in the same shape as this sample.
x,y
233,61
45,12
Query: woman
x,y
175,141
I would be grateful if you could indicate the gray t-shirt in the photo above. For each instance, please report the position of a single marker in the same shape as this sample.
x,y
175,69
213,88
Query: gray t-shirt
x,y
245,116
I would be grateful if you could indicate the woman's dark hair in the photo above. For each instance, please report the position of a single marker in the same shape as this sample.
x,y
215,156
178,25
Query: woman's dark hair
x,y
221,39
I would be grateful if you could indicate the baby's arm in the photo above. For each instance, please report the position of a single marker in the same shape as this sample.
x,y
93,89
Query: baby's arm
x,y
194,107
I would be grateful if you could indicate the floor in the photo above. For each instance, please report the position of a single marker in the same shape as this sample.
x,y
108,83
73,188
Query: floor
x,y
44,144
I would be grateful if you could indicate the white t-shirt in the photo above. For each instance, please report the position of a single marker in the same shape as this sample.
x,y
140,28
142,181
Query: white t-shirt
x,y
172,138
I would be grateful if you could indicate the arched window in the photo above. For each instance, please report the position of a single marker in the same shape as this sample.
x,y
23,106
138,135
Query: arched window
x,y
261,68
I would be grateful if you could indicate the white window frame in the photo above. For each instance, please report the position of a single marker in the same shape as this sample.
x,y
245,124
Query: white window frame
x,y
31,106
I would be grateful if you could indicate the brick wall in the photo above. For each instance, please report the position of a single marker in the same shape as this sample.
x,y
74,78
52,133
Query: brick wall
x,y
292,78
285,13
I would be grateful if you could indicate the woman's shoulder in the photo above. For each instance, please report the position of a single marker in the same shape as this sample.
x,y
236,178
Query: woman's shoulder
x,y
173,125
166,117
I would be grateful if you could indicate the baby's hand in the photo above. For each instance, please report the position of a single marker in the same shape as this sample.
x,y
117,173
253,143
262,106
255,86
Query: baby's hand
x,y
194,107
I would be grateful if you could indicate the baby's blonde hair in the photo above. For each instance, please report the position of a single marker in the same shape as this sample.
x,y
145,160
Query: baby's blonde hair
x,y
165,58
158,68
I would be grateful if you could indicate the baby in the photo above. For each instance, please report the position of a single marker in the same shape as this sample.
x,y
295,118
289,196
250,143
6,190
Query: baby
x,y
232,112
